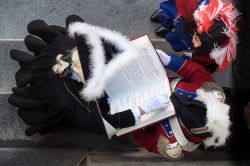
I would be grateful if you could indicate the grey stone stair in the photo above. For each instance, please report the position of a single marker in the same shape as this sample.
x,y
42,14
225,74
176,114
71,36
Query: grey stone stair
x,y
109,157
40,157
129,17
135,157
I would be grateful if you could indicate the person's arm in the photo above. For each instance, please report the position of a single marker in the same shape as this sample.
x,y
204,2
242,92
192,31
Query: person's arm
x,y
130,117
189,70
121,119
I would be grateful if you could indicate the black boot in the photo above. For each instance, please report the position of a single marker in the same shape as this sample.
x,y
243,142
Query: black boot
x,y
155,17
161,31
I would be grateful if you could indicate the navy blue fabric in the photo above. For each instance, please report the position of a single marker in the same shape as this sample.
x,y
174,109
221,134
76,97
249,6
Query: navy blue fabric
x,y
166,126
178,40
175,63
203,1
188,94
170,6
169,11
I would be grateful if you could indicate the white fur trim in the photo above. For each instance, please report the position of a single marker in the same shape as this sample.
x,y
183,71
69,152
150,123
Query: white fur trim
x,y
101,72
218,120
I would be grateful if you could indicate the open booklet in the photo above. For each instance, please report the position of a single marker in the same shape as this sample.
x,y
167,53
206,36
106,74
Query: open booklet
x,y
139,81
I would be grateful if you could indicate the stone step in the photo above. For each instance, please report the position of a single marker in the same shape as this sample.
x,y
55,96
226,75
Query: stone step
x,y
129,17
139,157
8,67
110,157
41,157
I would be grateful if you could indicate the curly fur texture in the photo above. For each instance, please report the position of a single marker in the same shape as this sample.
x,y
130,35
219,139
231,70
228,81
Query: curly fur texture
x,y
218,120
101,72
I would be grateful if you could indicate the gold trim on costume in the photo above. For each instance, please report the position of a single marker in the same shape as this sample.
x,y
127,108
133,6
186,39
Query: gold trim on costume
x,y
169,150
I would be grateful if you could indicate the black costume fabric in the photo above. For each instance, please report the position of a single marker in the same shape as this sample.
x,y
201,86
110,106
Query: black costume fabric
x,y
47,101
215,37
192,113
238,142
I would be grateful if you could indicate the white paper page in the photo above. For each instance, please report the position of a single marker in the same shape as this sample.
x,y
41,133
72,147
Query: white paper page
x,y
141,80
141,72
139,97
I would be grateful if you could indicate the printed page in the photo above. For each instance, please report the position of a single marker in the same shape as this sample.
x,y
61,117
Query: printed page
x,y
138,97
142,79
137,83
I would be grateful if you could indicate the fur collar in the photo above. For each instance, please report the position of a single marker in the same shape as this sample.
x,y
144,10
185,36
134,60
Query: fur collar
x,y
218,120
101,72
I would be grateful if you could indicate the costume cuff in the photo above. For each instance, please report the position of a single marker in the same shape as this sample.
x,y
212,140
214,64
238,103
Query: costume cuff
x,y
136,113
175,63
165,58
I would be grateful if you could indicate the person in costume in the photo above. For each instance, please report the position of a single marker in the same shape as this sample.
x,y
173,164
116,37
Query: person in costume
x,y
49,81
206,28
202,115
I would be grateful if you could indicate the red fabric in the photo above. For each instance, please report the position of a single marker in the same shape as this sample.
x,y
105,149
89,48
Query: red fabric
x,y
226,12
204,16
204,60
147,138
194,75
227,61
187,7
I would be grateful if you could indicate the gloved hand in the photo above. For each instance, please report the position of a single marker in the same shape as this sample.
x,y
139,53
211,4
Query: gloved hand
x,y
43,101
156,103
164,57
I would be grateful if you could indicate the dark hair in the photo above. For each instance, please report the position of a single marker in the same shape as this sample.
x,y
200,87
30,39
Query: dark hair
x,y
214,37
189,26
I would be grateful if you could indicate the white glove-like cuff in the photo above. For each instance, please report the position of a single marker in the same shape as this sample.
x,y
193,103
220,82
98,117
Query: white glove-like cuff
x,y
156,103
136,113
165,58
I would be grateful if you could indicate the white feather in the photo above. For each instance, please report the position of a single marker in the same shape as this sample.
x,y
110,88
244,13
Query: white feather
x,y
218,54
